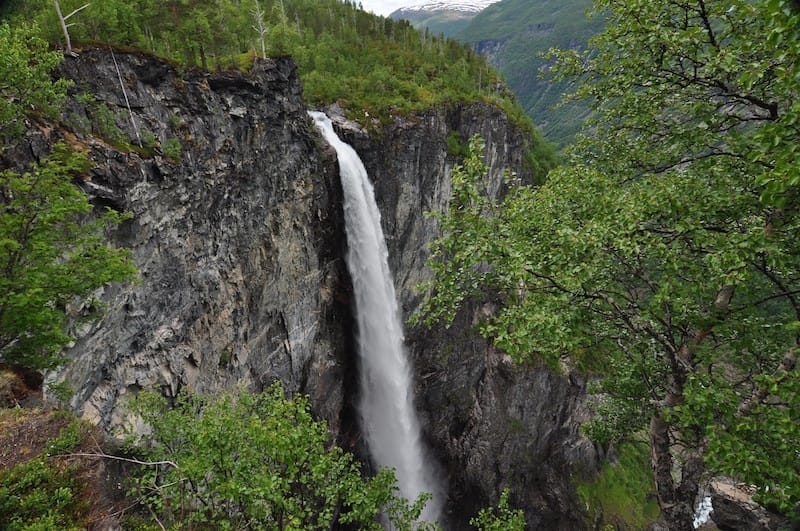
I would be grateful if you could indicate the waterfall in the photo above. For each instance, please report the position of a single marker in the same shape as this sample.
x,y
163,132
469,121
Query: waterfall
x,y
389,420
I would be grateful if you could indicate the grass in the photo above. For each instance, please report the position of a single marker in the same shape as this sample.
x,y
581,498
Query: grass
x,y
622,494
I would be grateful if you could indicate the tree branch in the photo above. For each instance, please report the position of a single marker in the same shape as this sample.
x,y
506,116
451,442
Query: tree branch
x,y
782,373
75,11
119,458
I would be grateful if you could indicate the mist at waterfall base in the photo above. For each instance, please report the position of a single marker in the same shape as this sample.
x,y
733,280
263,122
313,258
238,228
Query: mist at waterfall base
x,y
389,420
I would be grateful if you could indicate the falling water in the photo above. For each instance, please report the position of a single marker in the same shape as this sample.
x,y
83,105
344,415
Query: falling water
x,y
389,420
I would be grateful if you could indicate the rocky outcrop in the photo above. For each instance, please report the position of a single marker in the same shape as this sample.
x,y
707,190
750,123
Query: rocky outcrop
x,y
733,509
492,424
237,231
236,234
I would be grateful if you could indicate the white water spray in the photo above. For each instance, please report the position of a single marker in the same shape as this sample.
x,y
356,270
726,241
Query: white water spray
x,y
389,420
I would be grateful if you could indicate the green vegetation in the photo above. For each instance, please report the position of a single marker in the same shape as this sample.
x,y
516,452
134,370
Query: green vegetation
x,y
52,258
514,34
44,492
172,148
51,255
278,471
666,247
245,461
621,495
25,83
501,519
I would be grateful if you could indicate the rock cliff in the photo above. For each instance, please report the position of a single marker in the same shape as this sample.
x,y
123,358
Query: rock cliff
x,y
492,424
236,235
237,231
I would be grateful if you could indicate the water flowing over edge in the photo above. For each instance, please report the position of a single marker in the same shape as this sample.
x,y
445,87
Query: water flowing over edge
x,y
388,418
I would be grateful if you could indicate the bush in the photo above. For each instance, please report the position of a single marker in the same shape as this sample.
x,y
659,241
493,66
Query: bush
x,y
172,148
39,494
277,472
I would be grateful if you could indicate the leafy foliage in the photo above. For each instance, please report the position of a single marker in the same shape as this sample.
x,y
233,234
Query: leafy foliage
x,y
276,472
51,257
666,249
25,83
502,519
761,446
41,493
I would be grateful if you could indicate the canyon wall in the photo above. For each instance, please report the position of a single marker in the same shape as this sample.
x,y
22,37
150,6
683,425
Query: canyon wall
x,y
492,423
238,236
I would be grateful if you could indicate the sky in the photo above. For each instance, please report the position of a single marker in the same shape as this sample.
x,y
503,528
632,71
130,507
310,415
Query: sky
x,y
385,7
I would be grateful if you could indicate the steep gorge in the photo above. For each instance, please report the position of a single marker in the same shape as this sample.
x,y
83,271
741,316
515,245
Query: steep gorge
x,y
239,241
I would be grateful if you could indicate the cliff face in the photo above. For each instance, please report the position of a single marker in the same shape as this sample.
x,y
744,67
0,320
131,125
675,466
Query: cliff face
x,y
491,423
237,238
239,241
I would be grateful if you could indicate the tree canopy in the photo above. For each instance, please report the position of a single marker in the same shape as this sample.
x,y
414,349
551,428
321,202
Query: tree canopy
x,y
277,472
663,257
53,254
25,83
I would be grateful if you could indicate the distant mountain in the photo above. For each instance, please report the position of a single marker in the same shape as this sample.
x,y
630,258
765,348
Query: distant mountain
x,y
447,17
467,6
512,34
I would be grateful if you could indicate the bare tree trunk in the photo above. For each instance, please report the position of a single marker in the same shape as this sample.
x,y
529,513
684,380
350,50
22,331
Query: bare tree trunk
x,y
64,26
261,28
677,502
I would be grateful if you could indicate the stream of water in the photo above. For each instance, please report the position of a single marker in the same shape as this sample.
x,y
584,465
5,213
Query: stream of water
x,y
389,420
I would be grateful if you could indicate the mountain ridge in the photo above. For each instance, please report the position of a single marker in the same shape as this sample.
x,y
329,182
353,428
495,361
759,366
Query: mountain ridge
x,y
511,34
447,17
467,6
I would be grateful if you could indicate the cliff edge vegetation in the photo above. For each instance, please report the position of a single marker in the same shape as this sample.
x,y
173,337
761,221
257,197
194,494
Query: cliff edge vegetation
x,y
665,252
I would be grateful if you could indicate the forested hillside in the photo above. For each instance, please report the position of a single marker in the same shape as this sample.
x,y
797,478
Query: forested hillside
x,y
366,62
514,35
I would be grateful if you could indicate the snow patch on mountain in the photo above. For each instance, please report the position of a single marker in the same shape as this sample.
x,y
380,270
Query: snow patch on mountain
x,y
466,6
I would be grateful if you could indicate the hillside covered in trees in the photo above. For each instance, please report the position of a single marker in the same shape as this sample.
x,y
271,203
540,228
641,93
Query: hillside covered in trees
x,y
515,34
367,63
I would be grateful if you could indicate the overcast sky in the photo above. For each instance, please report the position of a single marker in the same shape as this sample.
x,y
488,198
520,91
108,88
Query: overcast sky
x,y
385,7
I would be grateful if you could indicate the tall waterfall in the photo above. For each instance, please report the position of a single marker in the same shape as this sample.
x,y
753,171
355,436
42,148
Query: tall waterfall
x,y
388,418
